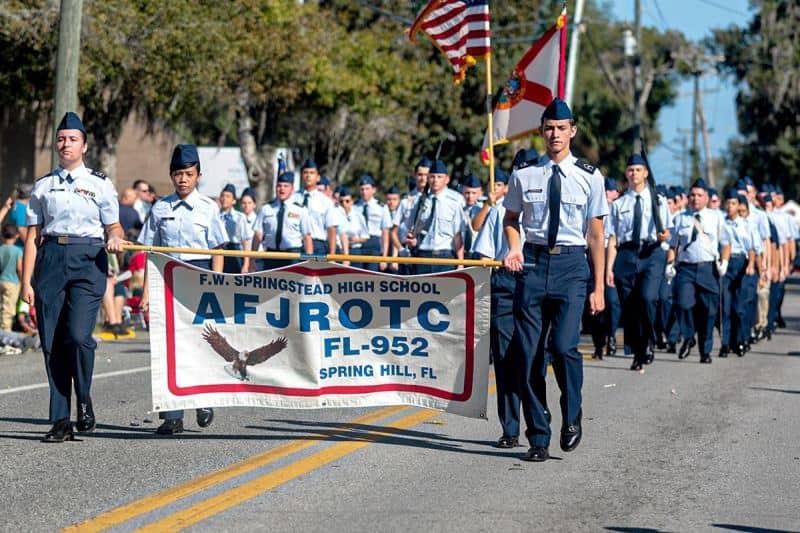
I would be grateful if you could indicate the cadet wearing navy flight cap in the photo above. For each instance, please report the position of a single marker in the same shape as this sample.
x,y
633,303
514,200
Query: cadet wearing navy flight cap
x,y
636,260
69,211
323,215
562,203
493,197
240,233
698,241
471,190
378,220
393,204
185,219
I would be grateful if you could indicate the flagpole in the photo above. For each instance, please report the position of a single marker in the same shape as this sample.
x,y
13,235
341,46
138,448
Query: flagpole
x,y
489,112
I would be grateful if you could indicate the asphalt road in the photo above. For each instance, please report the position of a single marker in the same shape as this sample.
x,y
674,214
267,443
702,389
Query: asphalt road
x,y
682,447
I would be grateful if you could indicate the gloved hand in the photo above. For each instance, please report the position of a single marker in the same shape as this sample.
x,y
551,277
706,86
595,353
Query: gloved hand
x,y
670,272
722,267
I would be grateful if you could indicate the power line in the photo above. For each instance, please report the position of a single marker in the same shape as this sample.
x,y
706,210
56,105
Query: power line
x,y
660,13
724,8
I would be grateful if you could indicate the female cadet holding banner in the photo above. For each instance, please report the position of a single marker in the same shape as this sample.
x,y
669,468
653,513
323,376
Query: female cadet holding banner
x,y
64,262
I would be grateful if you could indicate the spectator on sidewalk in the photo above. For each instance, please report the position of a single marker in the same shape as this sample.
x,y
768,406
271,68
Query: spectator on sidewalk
x,y
10,271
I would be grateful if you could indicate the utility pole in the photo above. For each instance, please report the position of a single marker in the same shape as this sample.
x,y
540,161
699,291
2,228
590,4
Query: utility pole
x,y
67,60
574,47
637,76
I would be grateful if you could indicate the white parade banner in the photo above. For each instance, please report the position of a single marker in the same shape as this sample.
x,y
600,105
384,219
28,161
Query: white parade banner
x,y
316,335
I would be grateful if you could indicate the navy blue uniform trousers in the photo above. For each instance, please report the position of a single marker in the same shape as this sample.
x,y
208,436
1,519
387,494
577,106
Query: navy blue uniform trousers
x,y
434,269
371,247
776,291
638,273
697,299
269,264
550,295
734,328
69,282
233,265
505,350
605,324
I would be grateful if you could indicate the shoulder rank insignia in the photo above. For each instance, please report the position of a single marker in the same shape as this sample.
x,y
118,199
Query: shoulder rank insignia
x,y
525,164
45,176
583,165
99,174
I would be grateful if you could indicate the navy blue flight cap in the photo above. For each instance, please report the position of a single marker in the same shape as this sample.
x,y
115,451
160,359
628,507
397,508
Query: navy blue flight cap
x,y
749,181
741,185
472,182
248,191
184,156
286,177
439,167
230,188
611,184
557,110
309,163
324,181
767,187
673,193
778,190
393,190
636,159
766,198
700,183
338,190
732,194
500,176
71,121
366,179
713,192
343,191
662,190
743,199
424,162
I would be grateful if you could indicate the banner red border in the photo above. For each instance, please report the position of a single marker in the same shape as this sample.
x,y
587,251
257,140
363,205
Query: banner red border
x,y
176,390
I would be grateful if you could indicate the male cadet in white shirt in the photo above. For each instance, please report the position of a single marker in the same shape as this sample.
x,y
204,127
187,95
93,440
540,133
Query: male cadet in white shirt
x,y
393,202
432,226
701,250
239,231
782,266
636,260
282,225
562,202
492,197
490,243
323,215
379,223
184,219
778,199
471,192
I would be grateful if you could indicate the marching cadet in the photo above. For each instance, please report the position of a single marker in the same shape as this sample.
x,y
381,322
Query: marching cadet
x,y
749,289
353,228
282,225
491,243
701,250
184,219
240,233
379,223
562,204
418,184
493,197
247,201
761,221
323,214
794,234
782,267
636,260
733,331
667,325
393,204
64,270
471,191
432,226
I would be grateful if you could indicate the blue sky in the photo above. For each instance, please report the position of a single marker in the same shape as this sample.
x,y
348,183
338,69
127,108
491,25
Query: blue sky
x,y
696,19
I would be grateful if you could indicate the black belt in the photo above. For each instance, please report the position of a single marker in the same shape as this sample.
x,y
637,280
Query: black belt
x,y
555,250
436,253
738,256
69,239
642,246
696,264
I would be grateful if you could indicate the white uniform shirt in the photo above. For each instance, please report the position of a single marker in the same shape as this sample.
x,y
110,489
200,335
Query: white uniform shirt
x,y
447,221
296,225
353,225
491,239
740,235
622,213
702,249
378,217
236,226
251,219
582,198
321,212
77,203
759,219
189,223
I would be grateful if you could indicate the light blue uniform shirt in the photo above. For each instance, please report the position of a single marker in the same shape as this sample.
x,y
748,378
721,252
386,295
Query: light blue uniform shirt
x,y
582,198
321,212
793,227
755,236
236,226
491,239
79,203
782,226
759,218
189,223
378,217
353,225
703,249
251,219
448,220
740,235
296,225
622,212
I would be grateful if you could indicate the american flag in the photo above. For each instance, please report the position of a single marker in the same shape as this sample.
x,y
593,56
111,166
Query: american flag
x,y
459,28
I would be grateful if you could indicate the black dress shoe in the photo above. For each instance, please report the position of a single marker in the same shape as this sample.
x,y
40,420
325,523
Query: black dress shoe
x,y
636,365
649,355
724,351
661,344
61,431
170,427
536,455
598,353
686,348
86,421
780,322
672,347
205,415
571,434
507,442
705,358
611,346
768,333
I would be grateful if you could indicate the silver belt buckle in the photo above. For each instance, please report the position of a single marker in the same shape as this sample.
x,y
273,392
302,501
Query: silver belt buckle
x,y
63,239
555,250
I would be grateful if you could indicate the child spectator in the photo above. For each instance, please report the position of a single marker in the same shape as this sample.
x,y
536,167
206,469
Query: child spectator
x,y
10,272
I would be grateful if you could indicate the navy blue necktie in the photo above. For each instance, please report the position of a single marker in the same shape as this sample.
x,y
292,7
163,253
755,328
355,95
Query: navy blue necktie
x,y
637,221
554,206
279,229
305,198
694,229
68,179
